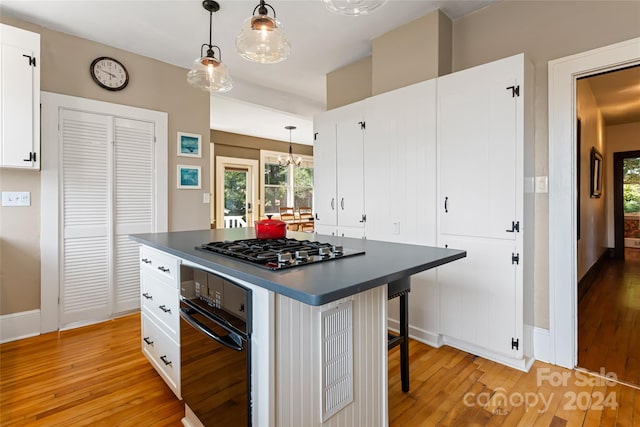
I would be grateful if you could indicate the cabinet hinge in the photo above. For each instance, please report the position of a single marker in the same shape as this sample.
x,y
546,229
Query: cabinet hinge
x,y
515,343
364,218
32,157
32,60
515,90
363,125
515,258
315,136
515,227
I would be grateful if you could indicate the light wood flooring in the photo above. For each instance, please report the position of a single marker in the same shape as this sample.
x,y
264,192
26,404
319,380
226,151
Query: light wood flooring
x,y
609,320
96,375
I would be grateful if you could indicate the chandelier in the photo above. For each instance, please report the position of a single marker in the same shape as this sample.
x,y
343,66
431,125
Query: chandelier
x,y
262,38
208,72
353,7
289,160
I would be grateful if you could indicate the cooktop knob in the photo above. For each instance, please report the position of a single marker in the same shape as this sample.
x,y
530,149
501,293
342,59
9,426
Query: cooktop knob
x,y
324,251
284,257
338,250
302,255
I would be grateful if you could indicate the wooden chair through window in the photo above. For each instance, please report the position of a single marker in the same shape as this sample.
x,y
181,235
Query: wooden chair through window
x,y
287,214
305,216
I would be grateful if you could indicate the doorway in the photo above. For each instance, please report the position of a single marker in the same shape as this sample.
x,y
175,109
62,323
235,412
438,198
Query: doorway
x,y
626,196
236,192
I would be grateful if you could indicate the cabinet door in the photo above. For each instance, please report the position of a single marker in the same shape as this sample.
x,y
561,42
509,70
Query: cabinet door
x,y
477,149
479,299
20,99
400,165
324,170
350,166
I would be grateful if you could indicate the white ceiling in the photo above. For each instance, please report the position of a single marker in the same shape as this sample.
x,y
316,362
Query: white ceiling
x,y
618,95
172,31
265,98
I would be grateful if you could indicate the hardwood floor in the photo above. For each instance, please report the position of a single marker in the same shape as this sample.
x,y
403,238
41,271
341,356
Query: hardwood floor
x,y
96,375
609,320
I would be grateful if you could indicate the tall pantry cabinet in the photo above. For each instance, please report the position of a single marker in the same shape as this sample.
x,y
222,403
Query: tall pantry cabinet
x,y
19,98
449,162
485,206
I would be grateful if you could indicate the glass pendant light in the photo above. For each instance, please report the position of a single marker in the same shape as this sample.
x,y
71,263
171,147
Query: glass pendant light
x,y
353,7
208,72
262,38
289,160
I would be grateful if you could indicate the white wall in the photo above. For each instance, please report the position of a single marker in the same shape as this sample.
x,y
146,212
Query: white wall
x,y
593,213
619,138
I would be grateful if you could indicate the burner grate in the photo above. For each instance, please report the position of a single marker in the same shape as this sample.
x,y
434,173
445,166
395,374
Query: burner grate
x,y
276,254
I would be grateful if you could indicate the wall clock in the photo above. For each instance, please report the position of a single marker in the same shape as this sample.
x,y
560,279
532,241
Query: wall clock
x,y
109,73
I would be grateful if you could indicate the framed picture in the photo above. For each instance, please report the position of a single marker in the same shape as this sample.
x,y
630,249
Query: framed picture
x,y
189,177
189,145
596,173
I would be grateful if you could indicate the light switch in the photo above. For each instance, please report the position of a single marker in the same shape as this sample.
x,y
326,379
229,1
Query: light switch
x,y
542,184
16,198
206,198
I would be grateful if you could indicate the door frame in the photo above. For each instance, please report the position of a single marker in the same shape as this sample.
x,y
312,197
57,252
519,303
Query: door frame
x,y
254,167
563,283
618,204
50,182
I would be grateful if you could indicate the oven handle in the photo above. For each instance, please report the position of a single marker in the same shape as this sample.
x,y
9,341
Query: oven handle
x,y
226,340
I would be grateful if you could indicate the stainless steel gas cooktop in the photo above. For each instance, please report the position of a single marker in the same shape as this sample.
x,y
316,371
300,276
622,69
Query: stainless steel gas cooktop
x,y
278,254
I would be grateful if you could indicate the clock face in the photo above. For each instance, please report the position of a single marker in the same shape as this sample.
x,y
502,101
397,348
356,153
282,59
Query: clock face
x,y
109,73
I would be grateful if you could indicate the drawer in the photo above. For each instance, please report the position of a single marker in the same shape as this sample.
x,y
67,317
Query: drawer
x,y
161,301
162,352
159,263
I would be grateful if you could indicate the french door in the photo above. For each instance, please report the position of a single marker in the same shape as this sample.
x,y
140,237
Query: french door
x,y
236,192
107,193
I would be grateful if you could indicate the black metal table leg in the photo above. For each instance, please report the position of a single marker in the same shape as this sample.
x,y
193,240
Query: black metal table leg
x,y
400,288
404,346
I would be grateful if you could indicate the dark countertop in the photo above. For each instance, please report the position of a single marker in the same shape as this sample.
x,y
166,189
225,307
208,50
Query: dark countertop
x,y
313,284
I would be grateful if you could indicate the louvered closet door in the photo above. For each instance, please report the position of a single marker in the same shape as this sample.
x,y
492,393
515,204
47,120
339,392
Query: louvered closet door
x,y
134,201
86,207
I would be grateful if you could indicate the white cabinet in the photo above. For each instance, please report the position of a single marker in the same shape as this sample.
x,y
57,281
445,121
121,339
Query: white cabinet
x,y
19,98
160,300
400,165
485,205
339,170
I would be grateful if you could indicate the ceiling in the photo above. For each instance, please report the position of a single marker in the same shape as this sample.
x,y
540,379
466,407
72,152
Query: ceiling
x,y
265,98
172,31
618,95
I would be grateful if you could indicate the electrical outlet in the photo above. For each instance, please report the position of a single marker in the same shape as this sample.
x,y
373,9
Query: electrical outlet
x,y
396,228
16,198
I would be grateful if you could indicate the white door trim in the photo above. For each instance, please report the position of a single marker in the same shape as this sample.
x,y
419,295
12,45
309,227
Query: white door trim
x,y
254,168
50,244
563,286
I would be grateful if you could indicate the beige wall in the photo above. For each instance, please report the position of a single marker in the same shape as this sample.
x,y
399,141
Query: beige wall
x,y
593,214
544,30
152,85
619,138
349,84
411,53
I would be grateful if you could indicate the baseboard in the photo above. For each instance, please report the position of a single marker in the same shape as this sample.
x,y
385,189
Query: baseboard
x,y
542,344
16,326
523,364
421,335
589,277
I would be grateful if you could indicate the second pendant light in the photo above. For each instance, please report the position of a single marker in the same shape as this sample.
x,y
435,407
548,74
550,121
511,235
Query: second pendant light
x,y
262,39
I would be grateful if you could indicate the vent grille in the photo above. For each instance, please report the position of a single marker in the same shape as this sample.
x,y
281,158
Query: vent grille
x,y
337,359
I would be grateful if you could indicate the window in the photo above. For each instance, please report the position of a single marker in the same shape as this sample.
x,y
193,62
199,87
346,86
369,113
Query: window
x,y
285,185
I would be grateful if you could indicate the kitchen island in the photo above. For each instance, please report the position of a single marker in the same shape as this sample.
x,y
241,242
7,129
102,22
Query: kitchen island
x,y
291,379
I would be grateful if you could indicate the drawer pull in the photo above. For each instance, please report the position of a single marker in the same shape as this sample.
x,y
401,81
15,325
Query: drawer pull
x,y
164,308
148,340
147,296
163,269
164,359
146,261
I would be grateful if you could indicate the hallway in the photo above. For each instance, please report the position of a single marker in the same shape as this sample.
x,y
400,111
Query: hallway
x,y
609,320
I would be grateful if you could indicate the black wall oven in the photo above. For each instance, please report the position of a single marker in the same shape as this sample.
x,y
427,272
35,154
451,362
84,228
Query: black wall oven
x,y
215,337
